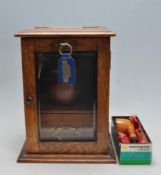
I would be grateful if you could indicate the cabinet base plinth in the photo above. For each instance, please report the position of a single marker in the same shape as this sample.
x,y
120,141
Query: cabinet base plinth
x,y
25,157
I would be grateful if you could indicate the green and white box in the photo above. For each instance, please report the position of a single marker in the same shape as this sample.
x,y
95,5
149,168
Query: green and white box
x,y
133,153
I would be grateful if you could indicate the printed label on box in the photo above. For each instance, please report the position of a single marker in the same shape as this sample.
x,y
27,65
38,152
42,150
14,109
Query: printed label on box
x,y
135,153
136,148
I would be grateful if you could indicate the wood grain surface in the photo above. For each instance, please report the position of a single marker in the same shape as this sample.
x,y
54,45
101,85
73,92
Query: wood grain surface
x,y
65,31
47,39
109,158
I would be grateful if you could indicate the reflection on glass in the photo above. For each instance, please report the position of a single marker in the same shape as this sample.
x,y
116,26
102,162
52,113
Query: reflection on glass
x,y
67,112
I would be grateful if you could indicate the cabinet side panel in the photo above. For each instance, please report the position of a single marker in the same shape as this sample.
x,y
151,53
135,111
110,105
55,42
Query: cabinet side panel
x,y
103,92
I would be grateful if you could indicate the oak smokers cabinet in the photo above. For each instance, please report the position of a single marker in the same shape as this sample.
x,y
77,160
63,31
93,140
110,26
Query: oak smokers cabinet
x,y
66,123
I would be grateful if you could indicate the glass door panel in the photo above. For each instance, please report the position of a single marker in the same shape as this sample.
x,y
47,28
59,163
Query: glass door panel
x,y
67,112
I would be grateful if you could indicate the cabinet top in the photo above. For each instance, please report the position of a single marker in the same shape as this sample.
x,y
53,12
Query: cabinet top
x,y
65,31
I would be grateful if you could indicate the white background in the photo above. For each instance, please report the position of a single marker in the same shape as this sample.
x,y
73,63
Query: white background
x,y
135,73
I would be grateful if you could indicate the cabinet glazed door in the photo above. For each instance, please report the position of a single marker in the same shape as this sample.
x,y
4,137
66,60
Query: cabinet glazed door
x,y
65,118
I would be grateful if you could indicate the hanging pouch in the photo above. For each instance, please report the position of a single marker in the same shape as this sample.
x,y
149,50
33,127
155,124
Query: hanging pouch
x,y
66,66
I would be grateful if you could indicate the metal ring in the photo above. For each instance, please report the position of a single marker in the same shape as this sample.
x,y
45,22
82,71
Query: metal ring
x,y
65,45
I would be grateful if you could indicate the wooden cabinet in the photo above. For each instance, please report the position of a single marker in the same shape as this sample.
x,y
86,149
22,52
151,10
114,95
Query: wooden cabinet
x,y
64,122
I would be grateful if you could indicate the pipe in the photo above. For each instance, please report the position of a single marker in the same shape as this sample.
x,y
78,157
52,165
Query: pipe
x,y
126,127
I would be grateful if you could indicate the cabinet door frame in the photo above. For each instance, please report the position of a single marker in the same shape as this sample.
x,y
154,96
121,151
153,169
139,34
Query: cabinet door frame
x,y
50,44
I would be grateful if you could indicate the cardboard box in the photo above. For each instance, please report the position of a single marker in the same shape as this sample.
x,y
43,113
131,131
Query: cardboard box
x,y
133,153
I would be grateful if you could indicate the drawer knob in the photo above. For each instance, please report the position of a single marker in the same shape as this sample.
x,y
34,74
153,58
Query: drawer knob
x,y
29,100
